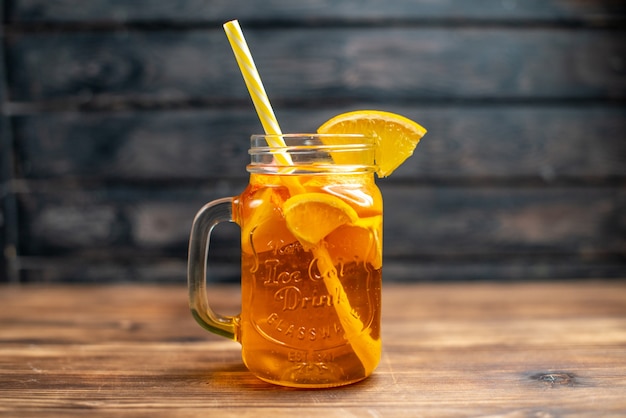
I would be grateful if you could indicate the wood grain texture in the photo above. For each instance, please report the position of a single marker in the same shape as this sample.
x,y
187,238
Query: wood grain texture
x,y
147,269
462,350
126,116
332,64
8,227
537,232
199,10
503,143
422,221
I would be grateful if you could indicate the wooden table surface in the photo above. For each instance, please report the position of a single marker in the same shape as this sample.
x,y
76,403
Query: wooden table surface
x,y
481,349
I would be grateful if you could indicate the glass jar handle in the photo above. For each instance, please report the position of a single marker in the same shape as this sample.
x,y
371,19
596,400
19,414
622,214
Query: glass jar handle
x,y
206,219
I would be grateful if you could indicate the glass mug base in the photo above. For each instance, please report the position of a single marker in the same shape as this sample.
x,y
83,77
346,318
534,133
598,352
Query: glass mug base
x,y
307,369
311,379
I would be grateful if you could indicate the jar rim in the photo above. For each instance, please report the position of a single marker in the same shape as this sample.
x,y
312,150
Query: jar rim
x,y
310,153
295,139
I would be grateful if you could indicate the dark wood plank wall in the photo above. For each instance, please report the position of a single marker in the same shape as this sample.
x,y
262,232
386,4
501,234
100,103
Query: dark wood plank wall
x,y
121,118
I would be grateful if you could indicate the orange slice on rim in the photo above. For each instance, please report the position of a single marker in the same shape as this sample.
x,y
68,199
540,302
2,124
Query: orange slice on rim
x,y
396,135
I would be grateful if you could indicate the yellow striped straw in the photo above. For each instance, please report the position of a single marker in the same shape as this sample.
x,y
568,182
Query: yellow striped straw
x,y
255,88
364,345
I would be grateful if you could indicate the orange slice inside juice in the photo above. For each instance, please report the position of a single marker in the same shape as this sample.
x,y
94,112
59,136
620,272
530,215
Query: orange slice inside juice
x,y
312,216
358,243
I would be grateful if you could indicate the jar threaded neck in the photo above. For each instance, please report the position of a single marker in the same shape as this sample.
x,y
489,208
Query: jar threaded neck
x,y
312,154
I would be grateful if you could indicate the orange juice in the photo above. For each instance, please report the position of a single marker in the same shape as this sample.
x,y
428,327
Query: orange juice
x,y
292,332
311,261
